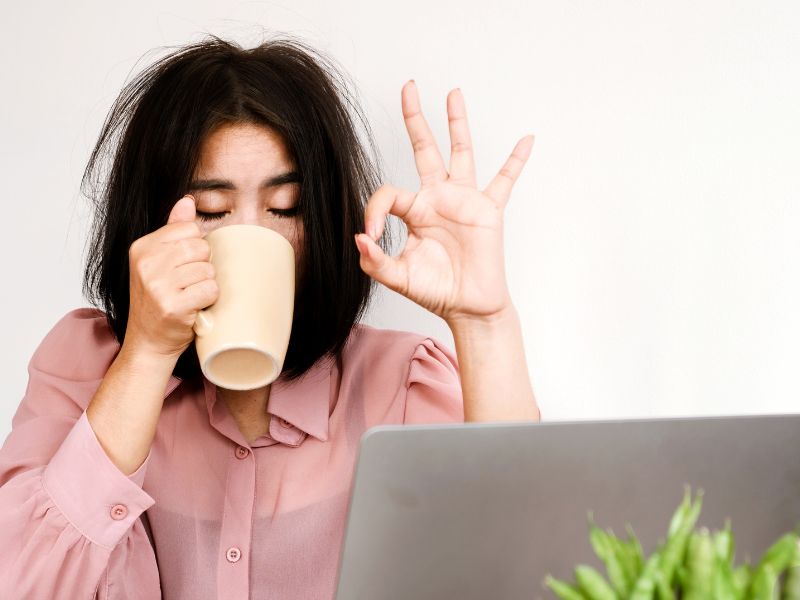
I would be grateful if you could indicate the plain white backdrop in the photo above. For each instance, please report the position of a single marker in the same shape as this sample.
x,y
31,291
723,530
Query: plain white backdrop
x,y
652,241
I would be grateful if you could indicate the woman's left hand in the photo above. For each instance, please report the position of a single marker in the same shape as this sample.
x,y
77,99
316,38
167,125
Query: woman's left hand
x,y
452,263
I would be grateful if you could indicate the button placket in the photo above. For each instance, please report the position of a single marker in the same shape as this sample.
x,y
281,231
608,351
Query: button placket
x,y
233,562
233,554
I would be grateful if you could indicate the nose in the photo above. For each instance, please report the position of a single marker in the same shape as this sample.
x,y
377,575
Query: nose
x,y
247,213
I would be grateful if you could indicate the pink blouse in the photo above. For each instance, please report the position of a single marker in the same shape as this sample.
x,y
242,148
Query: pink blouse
x,y
207,515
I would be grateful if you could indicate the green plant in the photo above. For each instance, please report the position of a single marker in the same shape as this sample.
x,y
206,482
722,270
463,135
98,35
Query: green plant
x,y
689,565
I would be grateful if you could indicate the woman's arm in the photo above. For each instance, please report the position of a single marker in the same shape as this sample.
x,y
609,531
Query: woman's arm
x,y
67,513
125,409
494,374
453,261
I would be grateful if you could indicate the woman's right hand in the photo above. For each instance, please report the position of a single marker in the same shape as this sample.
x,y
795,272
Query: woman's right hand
x,y
171,279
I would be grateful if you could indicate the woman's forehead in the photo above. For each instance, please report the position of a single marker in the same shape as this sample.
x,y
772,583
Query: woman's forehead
x,y
242,145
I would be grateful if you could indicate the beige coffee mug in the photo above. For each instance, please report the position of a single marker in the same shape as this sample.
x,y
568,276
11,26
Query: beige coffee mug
x,y
242,338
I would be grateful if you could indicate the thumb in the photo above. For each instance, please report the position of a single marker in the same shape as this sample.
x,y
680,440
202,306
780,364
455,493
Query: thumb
x,y
384,269
183,210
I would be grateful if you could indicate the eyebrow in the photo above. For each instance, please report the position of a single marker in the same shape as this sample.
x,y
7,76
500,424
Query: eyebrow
x,y
226,184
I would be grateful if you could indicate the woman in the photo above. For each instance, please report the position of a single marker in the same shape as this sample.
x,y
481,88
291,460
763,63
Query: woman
x,y
246,492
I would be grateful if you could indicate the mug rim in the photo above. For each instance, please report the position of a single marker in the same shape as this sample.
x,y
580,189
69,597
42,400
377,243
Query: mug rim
x,y
242,346
255,228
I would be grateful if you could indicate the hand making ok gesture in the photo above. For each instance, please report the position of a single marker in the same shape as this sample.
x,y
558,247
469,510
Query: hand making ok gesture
x,y
452,263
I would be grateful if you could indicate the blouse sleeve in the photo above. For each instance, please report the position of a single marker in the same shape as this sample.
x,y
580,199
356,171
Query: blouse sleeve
x,y
433,386
66,511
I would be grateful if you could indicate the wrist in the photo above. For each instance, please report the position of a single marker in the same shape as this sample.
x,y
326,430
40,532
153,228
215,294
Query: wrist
x,y
486,324
140,357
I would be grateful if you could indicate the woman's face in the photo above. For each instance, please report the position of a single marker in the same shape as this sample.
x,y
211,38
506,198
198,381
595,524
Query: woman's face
x,y
245,175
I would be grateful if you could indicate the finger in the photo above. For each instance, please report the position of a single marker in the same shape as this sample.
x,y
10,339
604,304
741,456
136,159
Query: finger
x,y
181,222
178,230
189,250
462,162
430,165
387,200
382,268
199,295
183,210
192,273
499,189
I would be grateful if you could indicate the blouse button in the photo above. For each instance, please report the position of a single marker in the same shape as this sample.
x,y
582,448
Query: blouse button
x,y
233,554
241,452
119,512
284,423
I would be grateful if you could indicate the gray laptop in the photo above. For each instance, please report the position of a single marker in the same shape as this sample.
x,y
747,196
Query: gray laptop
x,y
487,510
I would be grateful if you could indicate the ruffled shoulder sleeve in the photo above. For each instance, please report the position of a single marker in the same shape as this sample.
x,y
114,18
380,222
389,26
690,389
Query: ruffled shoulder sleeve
x,y
433,386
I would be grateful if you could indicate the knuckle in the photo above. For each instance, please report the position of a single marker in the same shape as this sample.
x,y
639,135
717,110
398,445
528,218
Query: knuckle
x,y
135,250
507,173
187,229
153,288
169,311
421,144
185,248
141,266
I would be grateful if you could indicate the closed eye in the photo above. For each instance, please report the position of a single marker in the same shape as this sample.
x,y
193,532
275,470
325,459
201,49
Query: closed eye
x,y
280,212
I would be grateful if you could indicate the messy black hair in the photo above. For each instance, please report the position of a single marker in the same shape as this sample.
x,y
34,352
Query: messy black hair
x,y
149,147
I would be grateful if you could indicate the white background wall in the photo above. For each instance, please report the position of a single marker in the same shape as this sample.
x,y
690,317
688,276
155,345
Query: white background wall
x,y
652,241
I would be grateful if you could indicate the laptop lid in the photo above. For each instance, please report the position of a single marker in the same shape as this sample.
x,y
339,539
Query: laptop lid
x,y
487,510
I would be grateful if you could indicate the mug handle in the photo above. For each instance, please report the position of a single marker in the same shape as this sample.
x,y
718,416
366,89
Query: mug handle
x,y
203,323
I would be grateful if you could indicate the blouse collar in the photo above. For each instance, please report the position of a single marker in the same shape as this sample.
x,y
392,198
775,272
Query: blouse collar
x,y
301,407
